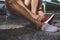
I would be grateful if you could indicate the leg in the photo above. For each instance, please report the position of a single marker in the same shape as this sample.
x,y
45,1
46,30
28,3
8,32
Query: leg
x,y
17,7
39,10
34,5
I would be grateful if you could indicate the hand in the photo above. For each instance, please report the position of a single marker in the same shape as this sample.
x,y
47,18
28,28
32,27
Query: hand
x,y
41,15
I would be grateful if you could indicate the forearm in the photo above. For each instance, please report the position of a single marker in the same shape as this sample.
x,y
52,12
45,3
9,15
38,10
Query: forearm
x,y
22,4
17,9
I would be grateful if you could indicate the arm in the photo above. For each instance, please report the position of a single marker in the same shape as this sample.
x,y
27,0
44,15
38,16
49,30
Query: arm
x,y
17,8
22,4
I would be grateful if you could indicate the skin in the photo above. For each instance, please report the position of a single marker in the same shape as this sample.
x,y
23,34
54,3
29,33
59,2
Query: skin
x,y
27,2
20,8
35,6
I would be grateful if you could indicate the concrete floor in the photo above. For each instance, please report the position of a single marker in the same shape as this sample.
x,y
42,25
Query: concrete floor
x,y
23,32
12,22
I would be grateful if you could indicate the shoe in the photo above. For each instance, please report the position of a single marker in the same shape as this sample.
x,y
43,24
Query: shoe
x,y
49,28
47,18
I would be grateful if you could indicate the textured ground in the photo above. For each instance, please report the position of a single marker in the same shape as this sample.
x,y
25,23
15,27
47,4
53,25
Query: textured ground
x,y
23,33
28,34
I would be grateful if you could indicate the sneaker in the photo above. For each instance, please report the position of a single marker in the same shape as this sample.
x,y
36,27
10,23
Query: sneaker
x,y
48,18
49,28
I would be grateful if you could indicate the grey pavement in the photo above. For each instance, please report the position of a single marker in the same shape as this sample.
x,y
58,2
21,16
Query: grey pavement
x,y
14,30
